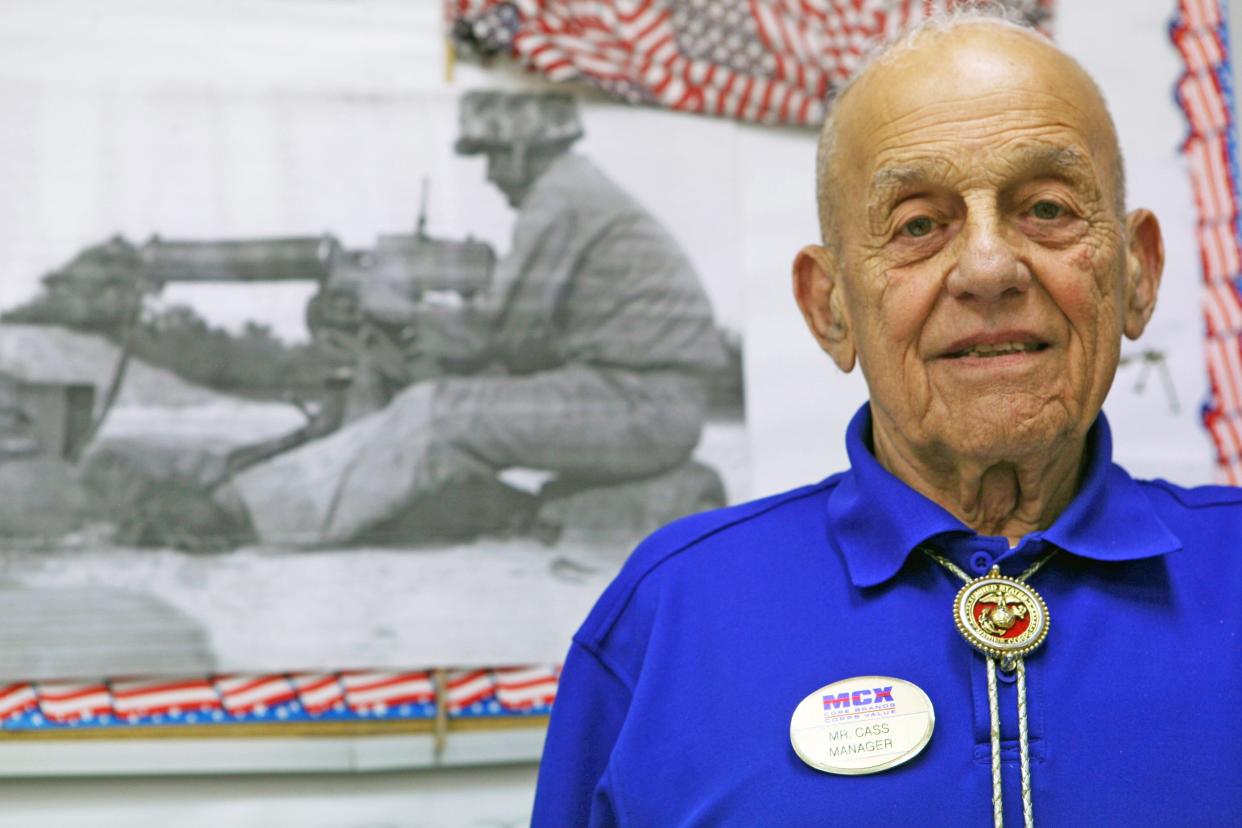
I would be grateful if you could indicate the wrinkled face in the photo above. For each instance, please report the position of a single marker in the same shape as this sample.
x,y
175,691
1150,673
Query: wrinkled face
x,y
981,265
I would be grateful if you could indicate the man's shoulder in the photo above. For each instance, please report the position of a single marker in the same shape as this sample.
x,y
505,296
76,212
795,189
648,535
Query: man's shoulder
x,y
1196,498
576,185
694,541
572,173
1212,513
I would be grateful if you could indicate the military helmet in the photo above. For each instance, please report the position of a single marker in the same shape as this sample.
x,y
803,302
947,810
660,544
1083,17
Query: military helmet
x,y
492,120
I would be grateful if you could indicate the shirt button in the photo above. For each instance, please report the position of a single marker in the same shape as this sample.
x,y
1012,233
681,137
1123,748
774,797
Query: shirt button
x,y
981,562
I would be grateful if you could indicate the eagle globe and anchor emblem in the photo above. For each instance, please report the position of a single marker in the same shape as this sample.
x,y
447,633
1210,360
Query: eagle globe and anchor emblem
x,y
1000,616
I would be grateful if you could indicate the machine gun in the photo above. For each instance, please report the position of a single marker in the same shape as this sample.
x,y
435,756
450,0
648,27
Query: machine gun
x,y
359,319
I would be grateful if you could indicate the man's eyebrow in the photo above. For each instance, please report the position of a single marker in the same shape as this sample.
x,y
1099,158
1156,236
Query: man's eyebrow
x,y
888,180
892,177
1068,161
1063,161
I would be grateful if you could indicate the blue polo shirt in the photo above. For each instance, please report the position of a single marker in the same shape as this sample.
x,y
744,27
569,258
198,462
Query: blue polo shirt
x,y
676,696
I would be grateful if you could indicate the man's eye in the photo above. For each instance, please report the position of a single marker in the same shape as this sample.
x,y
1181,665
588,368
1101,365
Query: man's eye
x,y
1047,210
920,226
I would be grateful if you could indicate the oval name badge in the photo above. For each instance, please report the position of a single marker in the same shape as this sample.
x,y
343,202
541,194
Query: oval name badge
x,y
864,724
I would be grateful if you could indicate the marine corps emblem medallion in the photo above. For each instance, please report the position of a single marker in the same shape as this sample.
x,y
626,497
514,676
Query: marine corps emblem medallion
x,y
1000,616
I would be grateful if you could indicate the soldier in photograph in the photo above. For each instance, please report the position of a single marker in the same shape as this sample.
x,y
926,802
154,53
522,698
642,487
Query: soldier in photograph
x,y
587,357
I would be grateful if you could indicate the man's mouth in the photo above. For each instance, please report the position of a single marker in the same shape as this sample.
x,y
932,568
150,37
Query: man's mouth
x,y
998,349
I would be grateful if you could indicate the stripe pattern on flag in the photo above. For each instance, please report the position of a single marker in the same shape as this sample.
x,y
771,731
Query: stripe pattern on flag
x,y
318,692
16,699
240,695
64,702
523,688
132,698
370,691
767,61
466,688
1204,95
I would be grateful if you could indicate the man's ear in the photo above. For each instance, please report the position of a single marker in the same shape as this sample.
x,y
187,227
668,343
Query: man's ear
x,y
816,284
1144,266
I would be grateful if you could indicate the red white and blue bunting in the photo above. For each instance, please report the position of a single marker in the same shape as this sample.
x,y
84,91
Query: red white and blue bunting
x,y
355,695
1200,33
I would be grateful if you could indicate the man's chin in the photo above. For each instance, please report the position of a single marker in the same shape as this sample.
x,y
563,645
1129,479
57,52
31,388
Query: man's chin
x,y
998,436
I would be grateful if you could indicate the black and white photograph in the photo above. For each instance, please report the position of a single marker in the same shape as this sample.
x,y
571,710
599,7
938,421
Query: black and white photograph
x,y
333,369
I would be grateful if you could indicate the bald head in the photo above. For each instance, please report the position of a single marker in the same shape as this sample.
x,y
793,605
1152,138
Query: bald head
x,y
951,62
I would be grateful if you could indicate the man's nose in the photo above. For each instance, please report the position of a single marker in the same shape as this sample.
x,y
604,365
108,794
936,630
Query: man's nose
x,y
988,267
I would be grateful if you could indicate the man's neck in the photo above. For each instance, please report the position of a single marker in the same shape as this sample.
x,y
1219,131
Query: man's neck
x,y
1009,497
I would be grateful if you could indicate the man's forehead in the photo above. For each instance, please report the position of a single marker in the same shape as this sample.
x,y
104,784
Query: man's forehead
x,y
953,97
981,52
1020,160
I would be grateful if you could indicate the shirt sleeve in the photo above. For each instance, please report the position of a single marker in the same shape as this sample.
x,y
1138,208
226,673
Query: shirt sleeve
x,y
574,785
456,337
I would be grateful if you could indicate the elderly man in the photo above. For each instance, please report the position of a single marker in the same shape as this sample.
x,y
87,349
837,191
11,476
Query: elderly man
x,y
797,660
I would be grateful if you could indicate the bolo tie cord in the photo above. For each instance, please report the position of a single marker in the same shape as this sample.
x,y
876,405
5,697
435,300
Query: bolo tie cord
x,y
1019,668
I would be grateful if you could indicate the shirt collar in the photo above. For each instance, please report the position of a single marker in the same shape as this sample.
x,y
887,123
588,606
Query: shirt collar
x,y
877,520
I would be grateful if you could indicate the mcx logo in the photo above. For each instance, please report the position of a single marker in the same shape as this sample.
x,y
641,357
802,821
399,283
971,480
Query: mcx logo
x,y
859,698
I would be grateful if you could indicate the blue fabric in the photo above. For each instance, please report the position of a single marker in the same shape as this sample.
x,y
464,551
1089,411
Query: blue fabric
x,y
675,700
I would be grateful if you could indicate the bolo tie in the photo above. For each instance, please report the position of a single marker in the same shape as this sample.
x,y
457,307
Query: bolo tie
x,y
1005,619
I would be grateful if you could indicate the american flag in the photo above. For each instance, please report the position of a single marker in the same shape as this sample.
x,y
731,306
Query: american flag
x,y
16,698
153,697
1204,94
61,701
464,688
770,61
521,688
370,691
247,694
318,692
